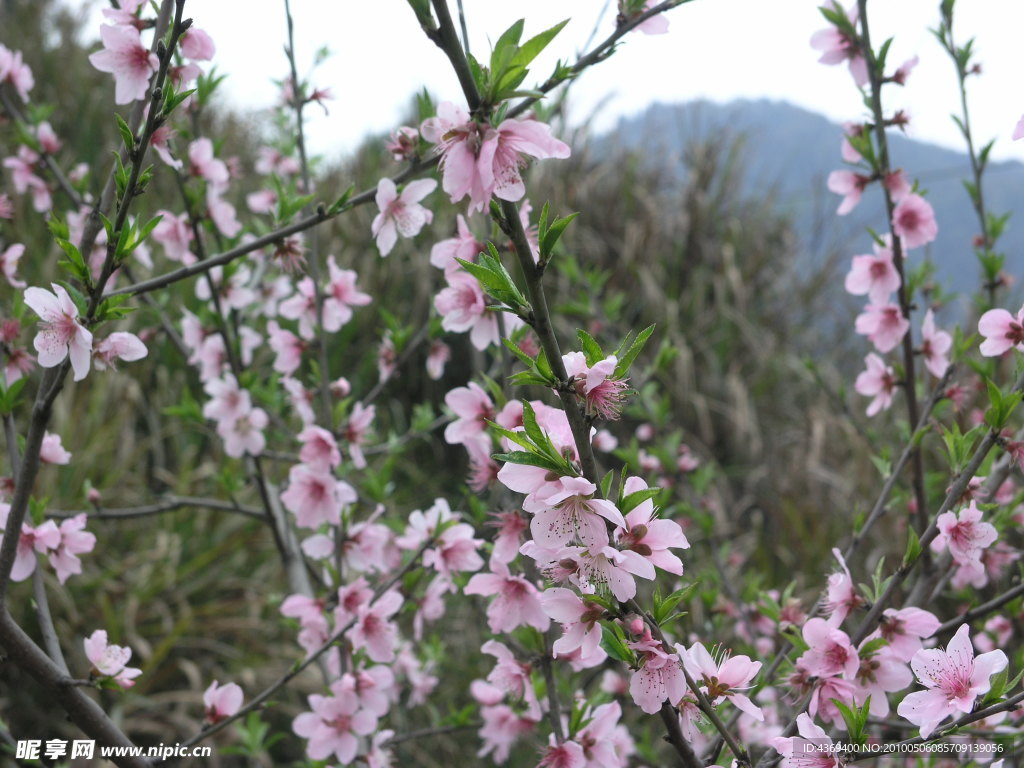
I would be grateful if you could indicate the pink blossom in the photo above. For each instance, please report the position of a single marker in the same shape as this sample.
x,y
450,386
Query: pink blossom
x,y
656,25
660,677
9,264
825,692
500,730
6,207
400,213
648,536
603,393
228,401
883,324
356,430
607,566
850,185
568,754
404,143
1002,331
74,541
903,72
455,550
110,660
880,673
913,220
566,510
319,449
125,57
18,363
725,681
579,619
351,598
829,652
206,166
332,726
463,307
341,296
437,357
512,677
263,201
964,534
161,143
244,433
119,345
62,335
935,346
897,184
511,526
175,234
810,749
221,701
48,140
874,276
30,540
316,497
878,381
474,408
954,678
606,744
1018,132
463,246
516,600
52,452
222,213
15,71
837,47
841,596
197,45
373,632
479,160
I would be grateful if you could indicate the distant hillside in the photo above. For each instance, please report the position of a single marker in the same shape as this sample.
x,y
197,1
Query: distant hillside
x,y
788,152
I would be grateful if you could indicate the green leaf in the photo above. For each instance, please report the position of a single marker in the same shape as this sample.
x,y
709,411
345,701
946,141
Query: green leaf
x,y
529,459
626,360
342,201
635,499
554,232
126,134
529,50
591,349
913,547
615,646
663,608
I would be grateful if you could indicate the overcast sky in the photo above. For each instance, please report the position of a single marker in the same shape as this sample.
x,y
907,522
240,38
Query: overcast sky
x,y
715,49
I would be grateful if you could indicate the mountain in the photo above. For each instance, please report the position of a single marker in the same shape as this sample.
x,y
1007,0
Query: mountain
x,y
788,152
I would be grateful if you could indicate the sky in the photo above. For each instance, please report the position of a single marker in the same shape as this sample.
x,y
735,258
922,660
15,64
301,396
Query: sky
x,y
715,49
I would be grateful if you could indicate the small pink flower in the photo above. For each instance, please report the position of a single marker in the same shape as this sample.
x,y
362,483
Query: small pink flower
x,y
649,536
516,603
221,701
373,632
400,214
463,307
125,57
837,47
905,630
437,357
1002,331
913,220
316,497
110,660
568,754
319,449
883,324
954,679
964,534
850,185
603,394
52,452
62,334
341,296
9,264
661,677
900,75
118,346
356,430
197,45
723,681
1018,132
15,71
206,166
841,596
404,143
897,184
811,749
74,541
829,650
463,246
878,381
581,628
874,276
332,726
566,510
935,346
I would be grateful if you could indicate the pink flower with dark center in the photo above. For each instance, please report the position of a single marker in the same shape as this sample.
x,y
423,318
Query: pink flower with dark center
x,y
723,681
332,726
62,334
319,449
463,246
660,677
648,536
900,75
954,679
874,276
221,701
566,510
850,185
837,46
125,57
341,296
935,346
74,541
516,602
878,381
456,550
883,324
1002,331
474,408
463,307
501,728
580,620
244,434
400,214
373,632
568,754
316,497
404,143
512,677
30,540
825,692
110,660
829,652
603,394
913,220
964,534
897,184
905,629
841,596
